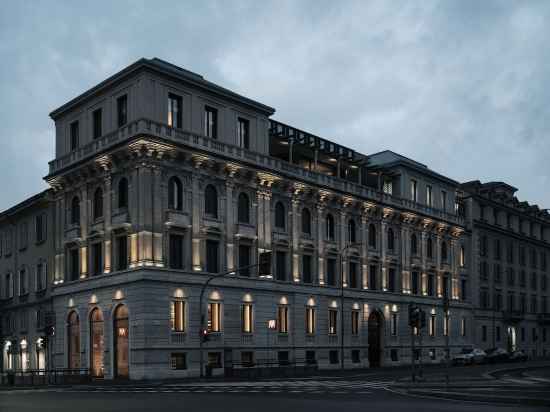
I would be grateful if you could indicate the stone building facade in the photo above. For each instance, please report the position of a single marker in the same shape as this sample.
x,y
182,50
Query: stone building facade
x,y
162,179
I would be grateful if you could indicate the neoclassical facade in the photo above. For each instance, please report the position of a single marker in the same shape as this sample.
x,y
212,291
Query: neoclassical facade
x,y
163,179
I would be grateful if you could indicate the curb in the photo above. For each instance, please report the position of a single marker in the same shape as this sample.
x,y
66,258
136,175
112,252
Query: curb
x,y
479,398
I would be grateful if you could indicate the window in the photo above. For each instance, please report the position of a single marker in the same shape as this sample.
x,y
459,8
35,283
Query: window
x,y
282,358
178,361
443,200
175,105
352,232
394,355
431,285
214,317
122,252
391,279
497,333
243,139
373,284
176,251
372,236
463,290
310,320
175,194
282,319
98,203
354,322
178,321
23,282
332,321
429,248
97,259
306,222
41,276
333,357
24,234
212,261
330,227
414,190
211,201
247,359
244,260
331,272
280,215
415,283
75,211
246,317
280,265
431,325
387,186
215,359
211,122
355,356
391,239
444,251
123,193
74,135
353,275
40,228
122,110
74,264
497,249
310,357
97,123
393,323
243,208
306,269
484,333
414,244
429,196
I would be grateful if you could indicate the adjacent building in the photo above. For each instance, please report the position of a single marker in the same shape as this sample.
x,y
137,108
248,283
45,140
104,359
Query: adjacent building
x,y
163,179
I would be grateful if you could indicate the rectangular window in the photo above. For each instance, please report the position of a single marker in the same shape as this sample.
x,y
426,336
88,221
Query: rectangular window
x,y
244,260
122,110
497,333
74,264
446,321
331,272
463,327
282,358
372,277
97,123
443,200
332,322
393,324
211,122
415,283
310,320
280,265
431,325
212,260
243,138
463,290
353,275
414,190
214,317
215,360
484,333
246,317
333,357
310,357
97,259
387,186
175,106
354,322
74,135
355,356
282,319
24,235
40,277
306,269
176,251
247,359
429,196
177,316
40,227
431,285
122,253
394,355
178,361
23,289
391,280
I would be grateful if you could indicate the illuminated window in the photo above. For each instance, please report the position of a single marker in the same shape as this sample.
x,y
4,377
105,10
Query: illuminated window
x,y
431,325
178,361
246,318
175,104
463,327
429,196
282,318
332,321
310,320
214,317
177,316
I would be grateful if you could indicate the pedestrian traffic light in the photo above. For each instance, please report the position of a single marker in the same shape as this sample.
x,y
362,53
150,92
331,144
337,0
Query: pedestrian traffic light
x,y
264,264
205,336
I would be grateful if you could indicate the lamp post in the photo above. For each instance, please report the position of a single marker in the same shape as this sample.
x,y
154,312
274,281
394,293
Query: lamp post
x,y
342,251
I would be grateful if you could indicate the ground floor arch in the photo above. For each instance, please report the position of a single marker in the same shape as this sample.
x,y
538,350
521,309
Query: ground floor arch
x,y
121,342
375,333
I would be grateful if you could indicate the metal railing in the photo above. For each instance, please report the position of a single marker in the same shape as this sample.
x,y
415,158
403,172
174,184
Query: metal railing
x,y
35,377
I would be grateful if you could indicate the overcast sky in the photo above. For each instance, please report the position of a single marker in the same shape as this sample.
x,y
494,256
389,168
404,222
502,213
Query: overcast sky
x,y
462,86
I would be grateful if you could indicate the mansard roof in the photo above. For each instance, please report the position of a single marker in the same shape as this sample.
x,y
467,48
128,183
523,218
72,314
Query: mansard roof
x,y
160,66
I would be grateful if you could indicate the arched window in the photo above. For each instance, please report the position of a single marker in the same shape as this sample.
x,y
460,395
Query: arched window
x,y
391,240
306,221
414,244
243,208
73,333
330,227
97,342
75,210
372,236
98,203
351,231
280,215
123,193
175,194
444,251
121,328
430,248
211,201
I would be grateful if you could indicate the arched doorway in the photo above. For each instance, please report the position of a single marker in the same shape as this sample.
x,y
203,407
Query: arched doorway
x,y
121,332
73,335
96,343
375,339
511,338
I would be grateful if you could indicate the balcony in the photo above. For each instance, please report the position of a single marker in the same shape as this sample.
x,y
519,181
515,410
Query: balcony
x,y
72,233
177,219
145,127
513,316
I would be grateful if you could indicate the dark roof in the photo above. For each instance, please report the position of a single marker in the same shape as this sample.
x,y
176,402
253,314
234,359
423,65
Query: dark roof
x,y
29,202
161,66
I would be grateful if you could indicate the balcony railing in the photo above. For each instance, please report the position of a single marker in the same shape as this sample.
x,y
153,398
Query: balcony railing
x,y
145,127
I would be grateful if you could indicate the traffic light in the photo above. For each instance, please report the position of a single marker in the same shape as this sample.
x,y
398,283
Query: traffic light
x,y
205,336
264,264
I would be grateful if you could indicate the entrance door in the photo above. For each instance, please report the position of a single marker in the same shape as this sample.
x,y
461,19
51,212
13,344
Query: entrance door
x,y
121,332
73,334
96,343
375,339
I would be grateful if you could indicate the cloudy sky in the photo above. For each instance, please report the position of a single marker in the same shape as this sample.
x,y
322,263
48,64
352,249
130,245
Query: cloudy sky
x,y
463,86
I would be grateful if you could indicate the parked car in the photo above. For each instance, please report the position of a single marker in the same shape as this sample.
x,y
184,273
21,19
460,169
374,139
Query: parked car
x,y
497,355
470,356
517,356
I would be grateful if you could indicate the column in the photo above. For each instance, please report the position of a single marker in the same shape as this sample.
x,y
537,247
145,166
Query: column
x,y
60,216
84,218
197,208
230,225
261,223
320,244
267,218
405,260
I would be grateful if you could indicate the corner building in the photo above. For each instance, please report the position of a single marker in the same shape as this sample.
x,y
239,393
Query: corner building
x,y
162,178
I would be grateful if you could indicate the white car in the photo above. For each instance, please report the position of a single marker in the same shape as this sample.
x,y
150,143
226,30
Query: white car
x,y
470,356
